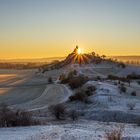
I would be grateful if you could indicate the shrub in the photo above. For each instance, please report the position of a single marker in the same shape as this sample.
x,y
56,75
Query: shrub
x,y
122,88
133,76
78,97
73,80
24,118
114,134
113,77
71,74
138,122
73,115
74,72
91,88
89,91
123,79
131,106
134,93
76,82
139,82
9,118
63,79
98,78
50,81
122,65
58,111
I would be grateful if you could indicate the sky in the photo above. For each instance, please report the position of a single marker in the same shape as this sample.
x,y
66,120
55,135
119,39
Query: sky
x,y
51,28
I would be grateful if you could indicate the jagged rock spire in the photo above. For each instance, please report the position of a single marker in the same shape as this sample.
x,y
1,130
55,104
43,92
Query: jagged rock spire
x,y
76,49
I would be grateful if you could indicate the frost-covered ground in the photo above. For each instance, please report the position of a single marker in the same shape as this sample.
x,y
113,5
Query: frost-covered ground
x,y
82,130
105,103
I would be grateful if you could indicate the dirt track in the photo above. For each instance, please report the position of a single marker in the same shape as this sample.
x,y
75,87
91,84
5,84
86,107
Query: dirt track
x,y
30,91
53,94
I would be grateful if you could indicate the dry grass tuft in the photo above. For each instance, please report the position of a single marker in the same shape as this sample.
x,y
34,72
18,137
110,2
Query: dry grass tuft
x,y
115,134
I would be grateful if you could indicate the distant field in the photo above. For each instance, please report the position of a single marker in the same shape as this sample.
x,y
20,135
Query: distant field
x,y
128,59
34,60
26,63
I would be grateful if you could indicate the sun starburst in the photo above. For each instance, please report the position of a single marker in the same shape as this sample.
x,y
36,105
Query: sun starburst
x,y
78,56
79,51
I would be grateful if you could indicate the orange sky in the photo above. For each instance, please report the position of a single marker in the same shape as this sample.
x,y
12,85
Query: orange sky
x,y
39,50
43,49
40,29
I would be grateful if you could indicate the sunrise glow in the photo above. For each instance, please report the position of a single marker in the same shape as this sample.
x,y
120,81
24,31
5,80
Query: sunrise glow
x,y
79,51
43,29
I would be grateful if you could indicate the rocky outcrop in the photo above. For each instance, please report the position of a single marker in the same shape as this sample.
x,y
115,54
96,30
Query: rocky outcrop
x,y
74,58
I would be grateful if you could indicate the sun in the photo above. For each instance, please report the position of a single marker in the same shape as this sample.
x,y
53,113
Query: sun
x,y
79,51
78,56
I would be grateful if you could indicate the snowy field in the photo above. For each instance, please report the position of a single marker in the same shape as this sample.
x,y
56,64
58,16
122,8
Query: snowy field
x,y
30,91
82,130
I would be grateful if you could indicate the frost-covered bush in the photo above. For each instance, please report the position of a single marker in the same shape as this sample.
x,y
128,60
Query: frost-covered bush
x,y
114,134
138,122
76,82
131,105
79,96
89,91
122,88
139,82
73,80
133,76
58,111
50,81
10,118
134,93
73,115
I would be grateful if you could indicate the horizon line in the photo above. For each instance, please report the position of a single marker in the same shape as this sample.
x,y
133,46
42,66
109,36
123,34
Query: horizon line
x,y
63,57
